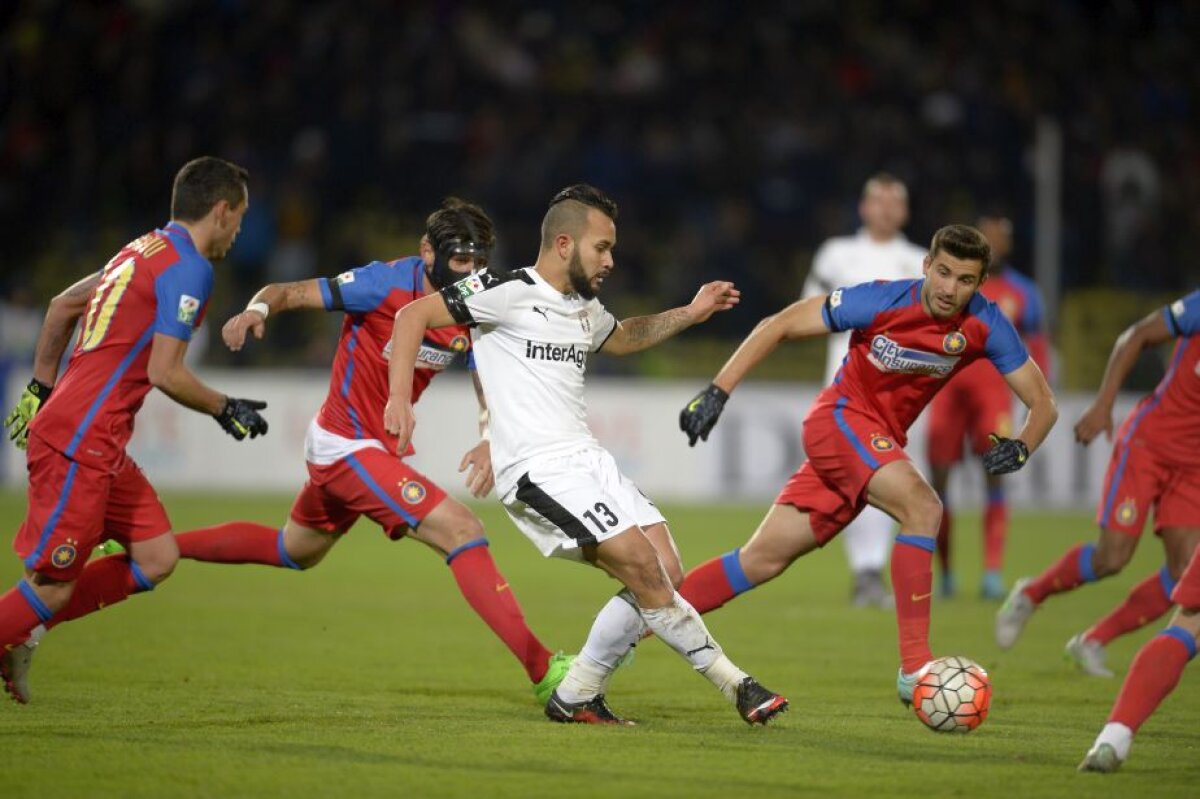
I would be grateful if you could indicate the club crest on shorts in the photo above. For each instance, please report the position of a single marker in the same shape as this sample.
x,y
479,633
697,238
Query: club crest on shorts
x,y
954,343
412,491
881,443
459,343
1127,511
63,556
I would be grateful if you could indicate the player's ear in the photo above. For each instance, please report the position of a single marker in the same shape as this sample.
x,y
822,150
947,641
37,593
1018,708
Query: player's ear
x,y
425,250
565,245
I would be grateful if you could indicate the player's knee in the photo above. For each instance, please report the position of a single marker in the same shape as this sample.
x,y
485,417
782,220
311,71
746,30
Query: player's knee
x,y
922,512
1109,561
159,566
54,594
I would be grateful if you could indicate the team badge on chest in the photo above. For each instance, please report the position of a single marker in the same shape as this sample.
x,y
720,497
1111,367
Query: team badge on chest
x,y
954,343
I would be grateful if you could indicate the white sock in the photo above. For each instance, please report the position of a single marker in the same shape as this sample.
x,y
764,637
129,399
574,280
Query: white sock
x,y
35,636
868,540
680,627
617,628
585,680
1118,736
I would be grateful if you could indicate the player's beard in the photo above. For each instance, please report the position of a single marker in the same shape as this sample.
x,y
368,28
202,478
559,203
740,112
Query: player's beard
x,y
579,279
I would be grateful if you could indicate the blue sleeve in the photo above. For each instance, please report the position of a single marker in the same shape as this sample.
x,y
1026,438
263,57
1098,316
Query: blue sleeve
x,y
364,289
1183,315
1003,347
181,291
856,307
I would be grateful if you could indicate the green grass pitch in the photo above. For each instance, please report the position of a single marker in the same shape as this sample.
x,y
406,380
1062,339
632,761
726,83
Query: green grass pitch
x,y
370,676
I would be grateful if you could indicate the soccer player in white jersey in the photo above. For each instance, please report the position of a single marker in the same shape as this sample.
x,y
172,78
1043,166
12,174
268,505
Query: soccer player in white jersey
x,y
533,330
879,251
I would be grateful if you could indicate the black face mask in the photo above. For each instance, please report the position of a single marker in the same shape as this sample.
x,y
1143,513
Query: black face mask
x,y
440,274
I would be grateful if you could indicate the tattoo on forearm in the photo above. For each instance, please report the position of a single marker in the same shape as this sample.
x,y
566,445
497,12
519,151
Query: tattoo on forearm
x,y
646,331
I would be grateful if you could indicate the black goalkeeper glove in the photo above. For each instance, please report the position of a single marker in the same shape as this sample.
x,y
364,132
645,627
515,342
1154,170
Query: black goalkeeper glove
x,y
28,405
1006,455
240,418
699,416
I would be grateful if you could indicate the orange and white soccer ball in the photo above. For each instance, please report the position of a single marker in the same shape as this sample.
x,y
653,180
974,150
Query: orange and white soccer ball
x,y
952,694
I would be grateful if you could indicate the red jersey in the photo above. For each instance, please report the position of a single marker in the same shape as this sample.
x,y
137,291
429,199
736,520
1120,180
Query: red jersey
x,y
158,283
1169,419
900,356
358,388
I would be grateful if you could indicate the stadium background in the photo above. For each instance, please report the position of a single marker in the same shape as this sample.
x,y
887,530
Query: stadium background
x,y
734,140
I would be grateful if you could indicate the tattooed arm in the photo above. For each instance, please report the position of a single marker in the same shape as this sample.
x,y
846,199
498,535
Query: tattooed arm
x,y
643,332
270,299
64,312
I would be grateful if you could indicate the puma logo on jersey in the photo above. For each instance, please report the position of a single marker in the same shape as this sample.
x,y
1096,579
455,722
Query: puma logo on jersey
x,y
542,311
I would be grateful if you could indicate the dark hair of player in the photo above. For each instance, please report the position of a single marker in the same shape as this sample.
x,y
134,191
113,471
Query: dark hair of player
x,y
963,242
568,211
204,182
459,219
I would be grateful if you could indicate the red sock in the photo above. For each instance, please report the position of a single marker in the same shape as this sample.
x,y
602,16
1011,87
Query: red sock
x,y
235,542
1154,674
943,538
489,595
20,611
995,531
103,582
713,583
1148,600
912,585
1071,571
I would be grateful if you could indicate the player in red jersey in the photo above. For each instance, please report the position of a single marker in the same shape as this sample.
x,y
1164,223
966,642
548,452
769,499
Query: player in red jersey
x,y
352,466
976,403
1153,465
138,316
909,337
1153,675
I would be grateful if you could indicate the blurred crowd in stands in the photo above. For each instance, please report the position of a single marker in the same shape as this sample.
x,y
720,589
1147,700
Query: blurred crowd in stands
x,y
735,137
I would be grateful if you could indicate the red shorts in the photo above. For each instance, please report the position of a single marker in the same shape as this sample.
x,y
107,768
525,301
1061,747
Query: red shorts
x,y
968,408
370,482
1187,590
73,507
1138,481
845,448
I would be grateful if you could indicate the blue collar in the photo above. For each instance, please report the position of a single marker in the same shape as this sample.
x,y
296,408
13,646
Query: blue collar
x,y
180,231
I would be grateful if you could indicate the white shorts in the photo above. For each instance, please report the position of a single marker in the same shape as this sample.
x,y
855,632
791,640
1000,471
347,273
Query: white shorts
x,y
565,502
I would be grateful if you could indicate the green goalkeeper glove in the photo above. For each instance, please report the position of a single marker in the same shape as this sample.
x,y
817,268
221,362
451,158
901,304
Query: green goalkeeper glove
x,y
28,405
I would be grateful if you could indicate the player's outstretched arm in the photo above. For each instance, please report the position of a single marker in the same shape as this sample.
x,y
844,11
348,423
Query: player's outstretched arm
x,y
1010,454
168,373
270,299
642,332
798,320
64,311
1148,332
411,323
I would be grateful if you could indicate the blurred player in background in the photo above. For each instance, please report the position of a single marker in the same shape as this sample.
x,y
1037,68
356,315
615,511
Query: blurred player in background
x,y
352,464
879,251
909,337
1154,464
140,311
976,403
534,329
1153,675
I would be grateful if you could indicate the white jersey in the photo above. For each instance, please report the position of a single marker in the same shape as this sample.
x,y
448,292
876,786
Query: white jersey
x,y
531,344
849,260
